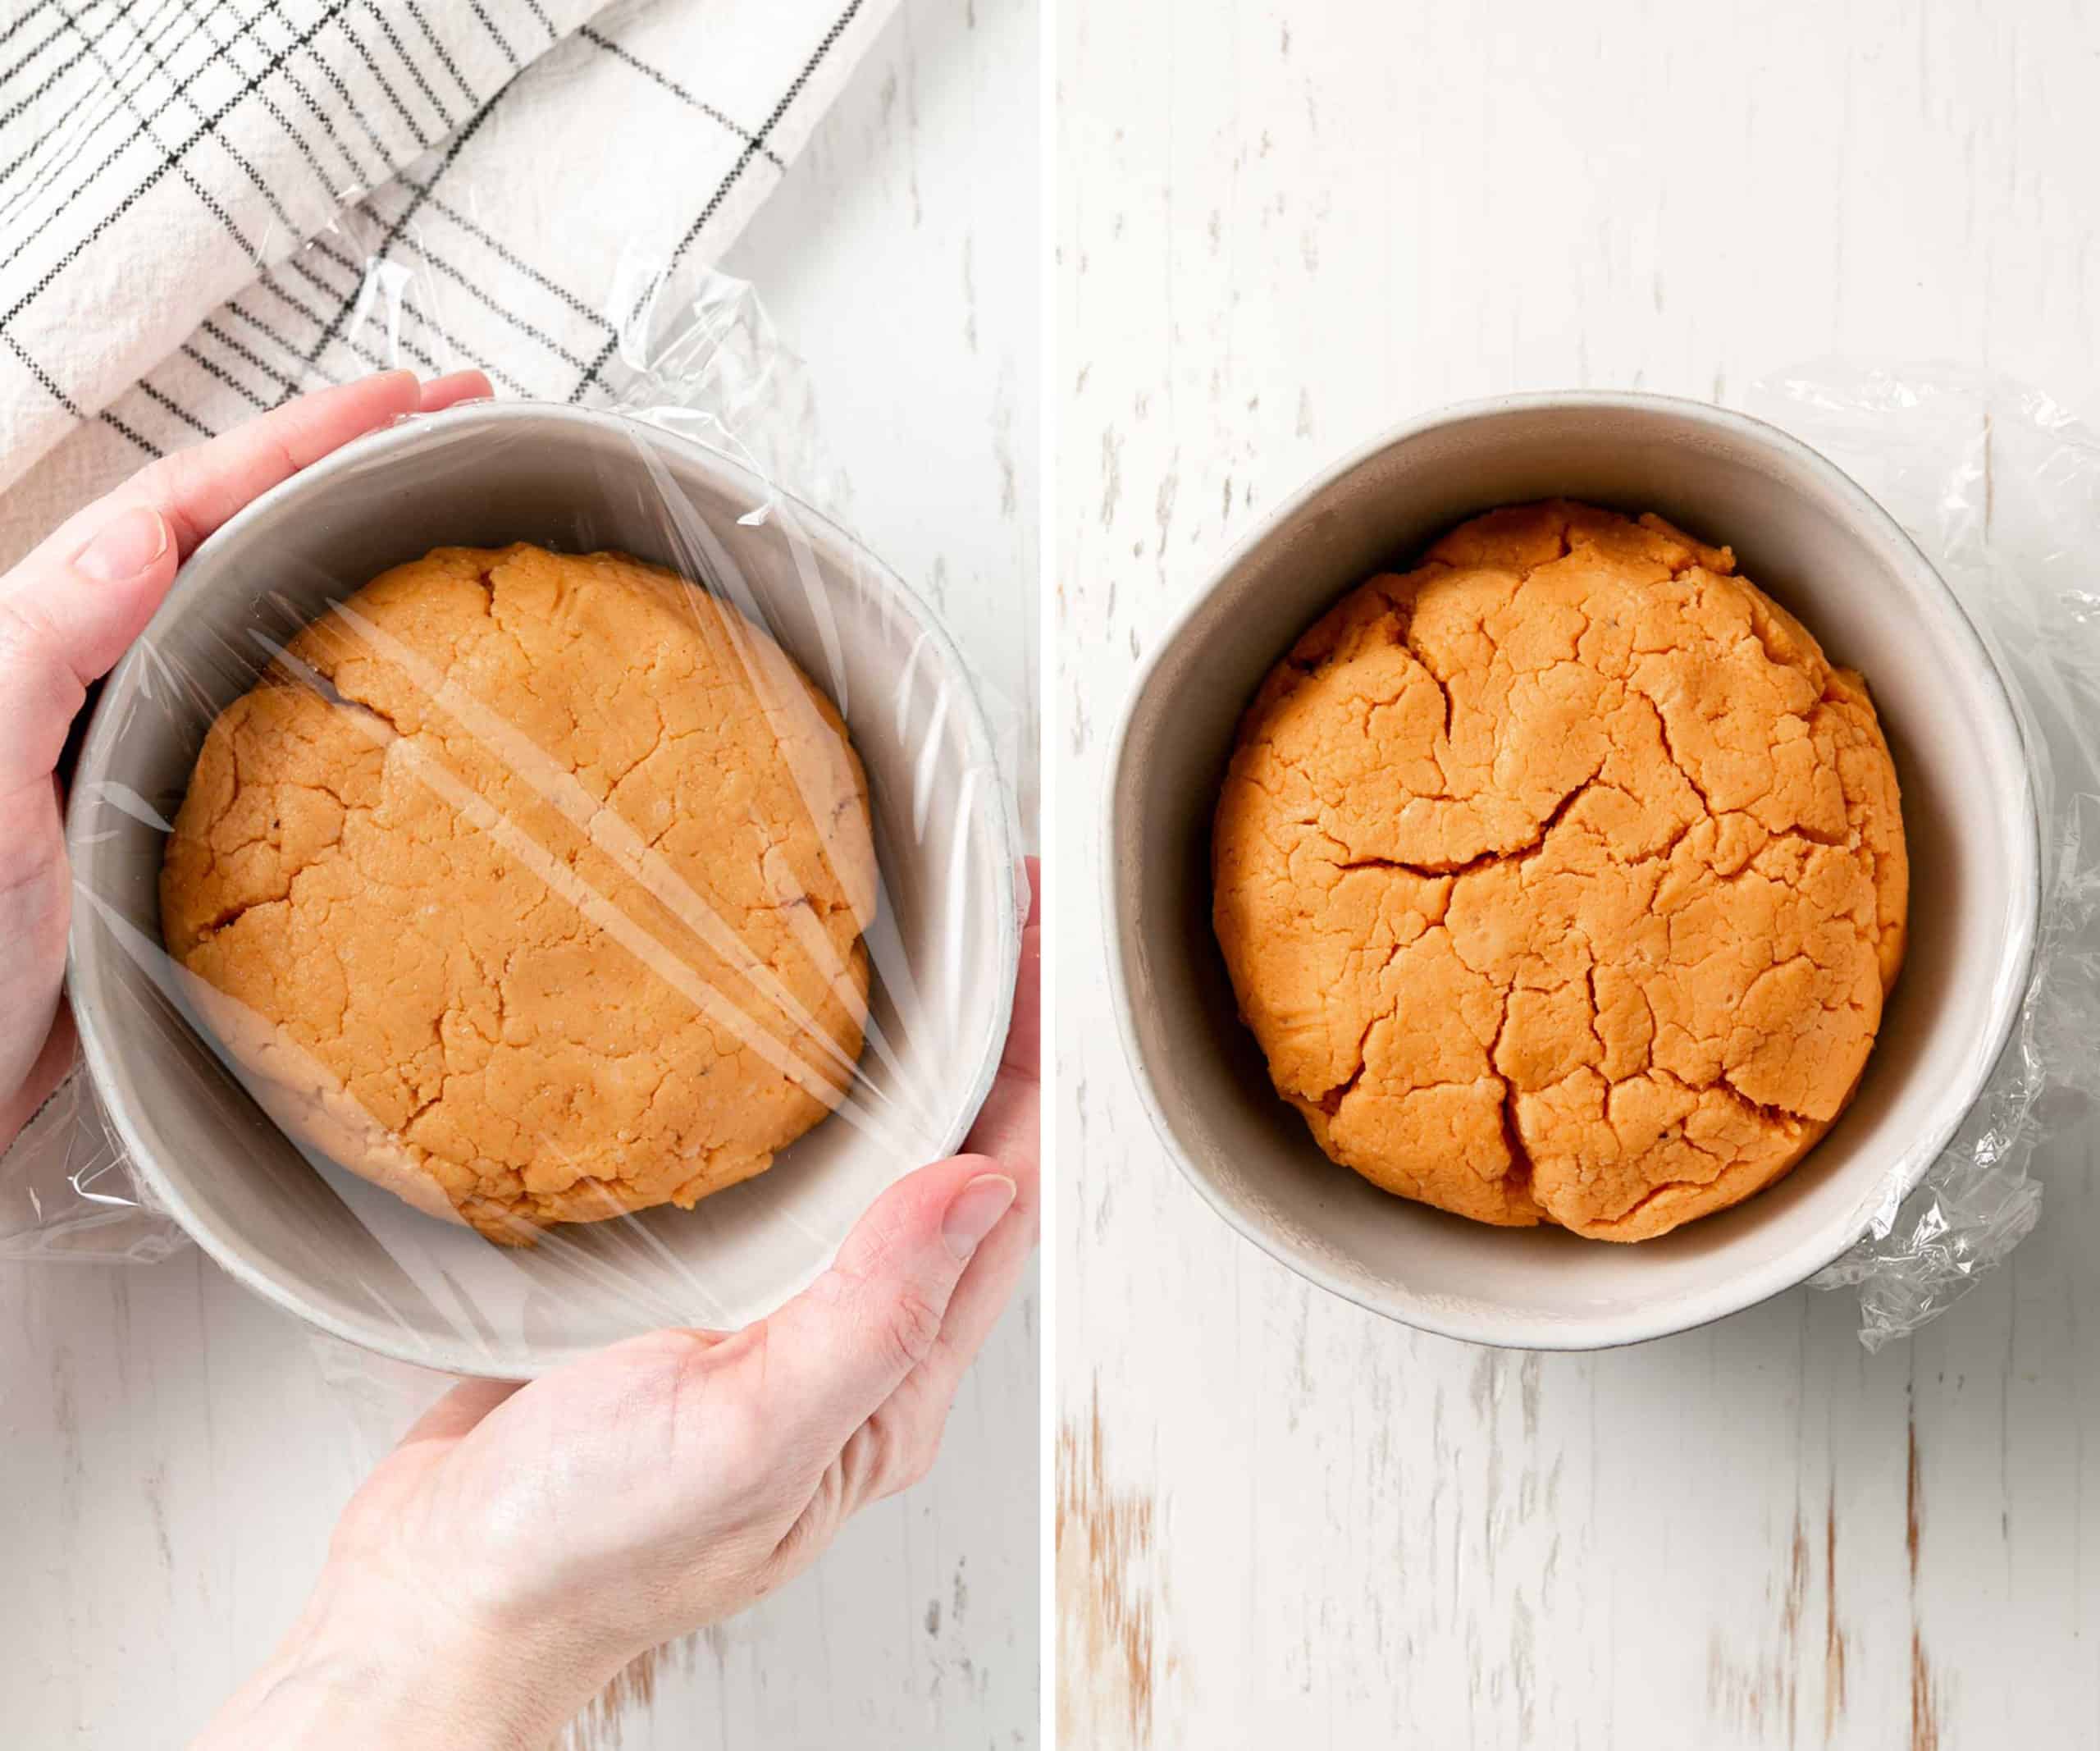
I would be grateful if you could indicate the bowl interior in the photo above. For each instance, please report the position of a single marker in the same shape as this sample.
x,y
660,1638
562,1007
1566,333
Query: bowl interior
x,y
352,1258
1801,531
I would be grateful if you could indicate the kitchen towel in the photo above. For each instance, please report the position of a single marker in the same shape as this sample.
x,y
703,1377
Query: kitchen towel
x,y
206,205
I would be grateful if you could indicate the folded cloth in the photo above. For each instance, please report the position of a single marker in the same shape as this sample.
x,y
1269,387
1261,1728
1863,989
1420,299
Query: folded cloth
x,y
157,152
242,199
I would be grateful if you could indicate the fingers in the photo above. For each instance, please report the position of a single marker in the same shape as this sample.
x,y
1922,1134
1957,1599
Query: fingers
x,y
1023,1052
68,611
832,1355
47,1068
442,392
1008,1130
65,618
198,489
1009,1126
918,1411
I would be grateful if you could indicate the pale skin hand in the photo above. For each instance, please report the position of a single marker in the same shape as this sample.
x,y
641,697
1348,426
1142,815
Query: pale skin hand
x,y
522,1543
68,612
525,1542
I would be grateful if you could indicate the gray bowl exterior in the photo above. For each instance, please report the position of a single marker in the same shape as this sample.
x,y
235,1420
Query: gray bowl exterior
x,y
1810,536
350,1258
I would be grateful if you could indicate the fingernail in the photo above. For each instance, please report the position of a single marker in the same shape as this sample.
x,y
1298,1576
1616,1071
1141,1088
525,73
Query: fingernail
x,y
454,385
125,548
975,1212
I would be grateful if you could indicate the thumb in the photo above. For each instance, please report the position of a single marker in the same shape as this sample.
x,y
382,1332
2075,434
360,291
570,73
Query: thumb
x,y
65,618
66,614
836,1352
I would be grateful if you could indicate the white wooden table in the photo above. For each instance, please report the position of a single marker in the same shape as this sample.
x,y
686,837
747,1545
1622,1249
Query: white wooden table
x,y
171,1454
1284,1521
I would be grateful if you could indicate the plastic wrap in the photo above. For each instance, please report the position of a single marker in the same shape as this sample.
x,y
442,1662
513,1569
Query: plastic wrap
x,y
702,886
2000,486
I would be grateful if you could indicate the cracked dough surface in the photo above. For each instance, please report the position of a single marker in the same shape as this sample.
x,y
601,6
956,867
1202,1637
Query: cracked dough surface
x,y
1561,879
531,886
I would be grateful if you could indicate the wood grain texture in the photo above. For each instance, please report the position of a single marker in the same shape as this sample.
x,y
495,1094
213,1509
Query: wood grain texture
x,y
173,1451
1280,229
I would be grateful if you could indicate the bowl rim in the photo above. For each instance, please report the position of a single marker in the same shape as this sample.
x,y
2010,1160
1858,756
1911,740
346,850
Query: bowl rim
x,y
99,1049
1785,1270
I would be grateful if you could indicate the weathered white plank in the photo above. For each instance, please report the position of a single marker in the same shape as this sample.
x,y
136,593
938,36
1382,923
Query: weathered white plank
x,y
1282,228
170,1455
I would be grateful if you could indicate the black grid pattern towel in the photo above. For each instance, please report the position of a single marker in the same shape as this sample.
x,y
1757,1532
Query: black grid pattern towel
x,y
208,205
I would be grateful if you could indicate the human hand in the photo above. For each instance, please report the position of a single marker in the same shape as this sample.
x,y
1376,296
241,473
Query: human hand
x,y
523,1543
68,612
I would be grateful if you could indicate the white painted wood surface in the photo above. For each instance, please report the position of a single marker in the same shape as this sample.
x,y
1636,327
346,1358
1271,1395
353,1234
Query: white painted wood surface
x,y
1283,1521
173,1451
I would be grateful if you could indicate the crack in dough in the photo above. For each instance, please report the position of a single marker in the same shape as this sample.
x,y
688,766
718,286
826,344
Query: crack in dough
x,y
454,1019
1562,879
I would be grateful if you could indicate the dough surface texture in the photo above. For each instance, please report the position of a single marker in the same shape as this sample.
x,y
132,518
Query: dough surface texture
x,y
1561,879
531,886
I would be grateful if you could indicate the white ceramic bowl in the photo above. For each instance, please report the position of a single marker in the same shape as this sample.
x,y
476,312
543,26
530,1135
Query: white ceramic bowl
x,y
1802,531
350,1258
